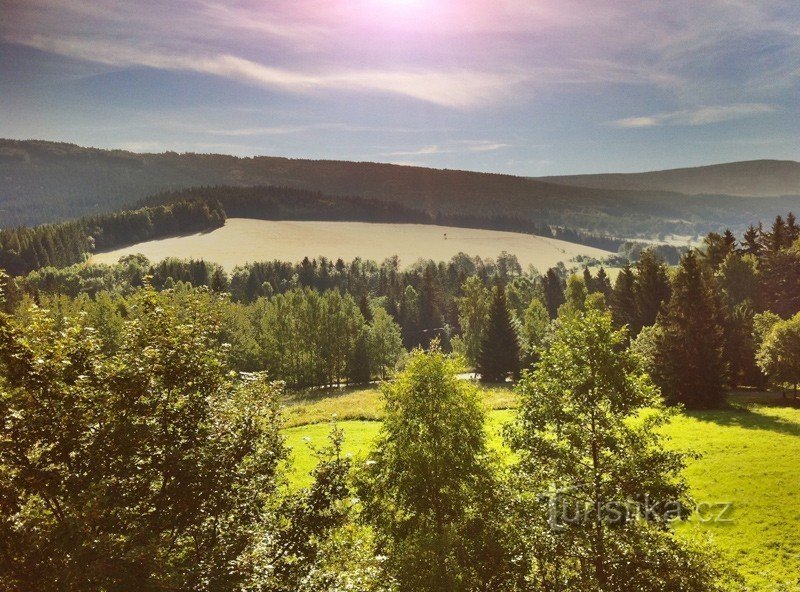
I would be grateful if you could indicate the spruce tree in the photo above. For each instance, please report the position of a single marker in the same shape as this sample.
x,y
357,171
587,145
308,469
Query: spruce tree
x,y
499,355
588,280
751,242
776,239
364,307
602,284
690,365
623,302
652,288
792,229
717,247
553,287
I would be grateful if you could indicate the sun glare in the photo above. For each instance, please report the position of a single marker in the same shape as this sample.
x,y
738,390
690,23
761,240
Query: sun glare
x,y
399,4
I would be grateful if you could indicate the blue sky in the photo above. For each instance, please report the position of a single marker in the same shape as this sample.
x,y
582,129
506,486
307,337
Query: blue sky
x,y
529,87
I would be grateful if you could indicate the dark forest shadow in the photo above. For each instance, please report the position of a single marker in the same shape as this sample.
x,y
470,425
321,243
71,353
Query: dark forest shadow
x,y
742,411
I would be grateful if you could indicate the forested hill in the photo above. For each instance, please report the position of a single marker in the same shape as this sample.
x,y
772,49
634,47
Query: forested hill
x,y
757,178
45,182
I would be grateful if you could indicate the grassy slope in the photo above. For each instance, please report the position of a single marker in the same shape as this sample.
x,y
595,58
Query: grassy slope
x,y
242,240
749,457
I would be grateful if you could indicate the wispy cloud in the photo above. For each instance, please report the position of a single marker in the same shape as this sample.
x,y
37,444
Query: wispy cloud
x,y
695,117
449,88
531,71
466,146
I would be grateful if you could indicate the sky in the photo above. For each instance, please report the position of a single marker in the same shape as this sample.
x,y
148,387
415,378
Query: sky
x,y
527,87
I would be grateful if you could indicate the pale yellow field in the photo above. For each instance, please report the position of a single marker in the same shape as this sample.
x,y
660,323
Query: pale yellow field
x,y
244,240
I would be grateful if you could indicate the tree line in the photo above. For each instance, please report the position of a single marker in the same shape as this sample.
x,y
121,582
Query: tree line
x,y
23,250
700,324
285,203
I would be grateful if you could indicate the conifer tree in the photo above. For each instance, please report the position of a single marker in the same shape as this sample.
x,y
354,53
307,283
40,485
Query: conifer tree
x,y
776,238
792,229
602,283
499,354
623,301
652,288
690,364
751,242
588,280
717,247
364,307
553,292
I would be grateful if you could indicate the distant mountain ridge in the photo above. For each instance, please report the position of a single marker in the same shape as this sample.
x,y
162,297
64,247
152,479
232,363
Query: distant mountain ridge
x,y
752,178
44,181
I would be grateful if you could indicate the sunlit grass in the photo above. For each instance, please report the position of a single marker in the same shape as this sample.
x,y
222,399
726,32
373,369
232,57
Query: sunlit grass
x,y
750,457
323,406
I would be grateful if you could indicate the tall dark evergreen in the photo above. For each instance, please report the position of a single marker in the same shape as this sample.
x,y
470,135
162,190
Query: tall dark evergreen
x,y
553,287
602,283
717,247
588,280
652,288
364,307
779,288
623,301
777,237
752,240
792,229
499,355
690,358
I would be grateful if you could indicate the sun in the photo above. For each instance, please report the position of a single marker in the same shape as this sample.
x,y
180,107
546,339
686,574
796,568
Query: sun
x,y
399,3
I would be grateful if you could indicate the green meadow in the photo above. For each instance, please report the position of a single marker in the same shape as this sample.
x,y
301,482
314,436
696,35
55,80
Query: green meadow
x,y
750,459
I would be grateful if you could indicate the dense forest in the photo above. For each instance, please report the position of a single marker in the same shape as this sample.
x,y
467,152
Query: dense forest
x,y
48,182
25,249
757,178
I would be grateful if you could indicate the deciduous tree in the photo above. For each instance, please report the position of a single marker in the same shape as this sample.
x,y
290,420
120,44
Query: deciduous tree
x,y
587,432
428,486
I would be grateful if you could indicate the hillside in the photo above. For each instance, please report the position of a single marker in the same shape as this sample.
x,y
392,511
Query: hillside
x,y
45,181
757,178
242,240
